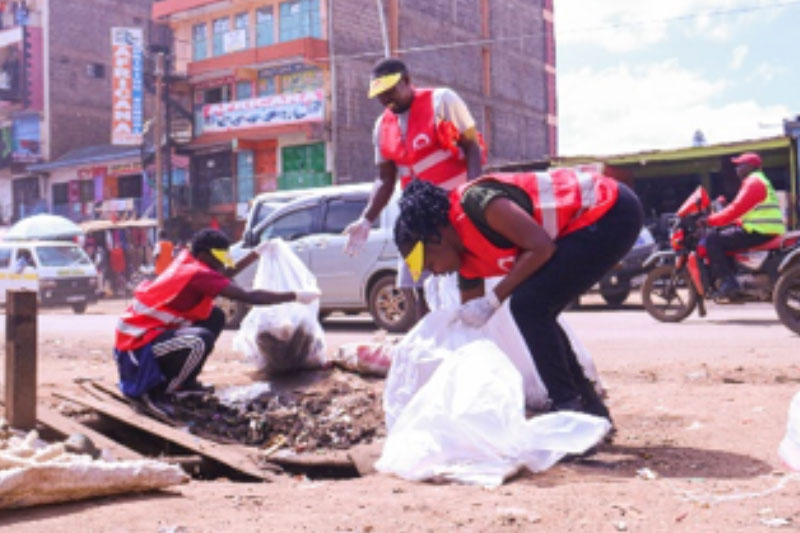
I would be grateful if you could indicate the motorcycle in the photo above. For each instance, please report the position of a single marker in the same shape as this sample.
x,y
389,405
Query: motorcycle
x,y
681,278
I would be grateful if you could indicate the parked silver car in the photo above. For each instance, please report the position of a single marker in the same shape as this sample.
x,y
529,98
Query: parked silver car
x,y
312,222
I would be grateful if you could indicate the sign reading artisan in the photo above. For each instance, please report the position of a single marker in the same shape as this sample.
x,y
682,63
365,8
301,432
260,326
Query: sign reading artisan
x,y
127,94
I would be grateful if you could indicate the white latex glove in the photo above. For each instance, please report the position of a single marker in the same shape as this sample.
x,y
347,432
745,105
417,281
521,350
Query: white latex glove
x,y
263,247
306,297
476,313
357,234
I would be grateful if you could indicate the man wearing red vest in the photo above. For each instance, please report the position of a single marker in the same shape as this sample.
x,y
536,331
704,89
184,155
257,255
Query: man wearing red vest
x,y
426,134
165,336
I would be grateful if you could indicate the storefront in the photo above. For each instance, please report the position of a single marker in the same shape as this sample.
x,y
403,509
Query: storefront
x,y
103,183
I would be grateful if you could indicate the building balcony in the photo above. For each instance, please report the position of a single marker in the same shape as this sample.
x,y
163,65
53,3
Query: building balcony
x,y
166,8
309,49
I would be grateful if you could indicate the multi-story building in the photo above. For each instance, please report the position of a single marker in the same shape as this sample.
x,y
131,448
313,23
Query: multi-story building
x,y
278,87
55,98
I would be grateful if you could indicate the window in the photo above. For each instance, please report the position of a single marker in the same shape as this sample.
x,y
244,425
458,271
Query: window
x,y
199,42
60,193
244,90
265,26
87,191
220,28
61,256
340,213
129,187
242,24
300,18
96,70
216,95
5,257
244,176
266,84
291,226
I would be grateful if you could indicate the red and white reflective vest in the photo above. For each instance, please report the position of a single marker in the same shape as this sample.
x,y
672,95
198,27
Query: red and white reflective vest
x,y
564,200
150,313
428,151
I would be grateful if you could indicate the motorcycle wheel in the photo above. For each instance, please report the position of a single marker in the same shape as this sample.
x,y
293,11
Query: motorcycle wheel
x,y
786,298
667,295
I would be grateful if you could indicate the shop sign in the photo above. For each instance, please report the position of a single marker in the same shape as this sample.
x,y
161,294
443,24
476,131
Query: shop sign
x,y
265,111
127,93
26,144
125,169
117,204
234,40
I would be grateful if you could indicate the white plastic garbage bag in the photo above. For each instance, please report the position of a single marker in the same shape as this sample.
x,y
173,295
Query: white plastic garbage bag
x,y
456,411
441,292
284,337
789,449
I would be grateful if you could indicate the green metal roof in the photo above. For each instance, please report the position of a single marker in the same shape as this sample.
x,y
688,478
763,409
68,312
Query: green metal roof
x,y
682,154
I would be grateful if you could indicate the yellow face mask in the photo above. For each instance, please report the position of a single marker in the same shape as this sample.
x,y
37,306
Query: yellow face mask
x,y
416,260
383,84
223,256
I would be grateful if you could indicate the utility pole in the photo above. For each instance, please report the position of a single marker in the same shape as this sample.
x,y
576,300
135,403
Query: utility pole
x,y
384,30
158,133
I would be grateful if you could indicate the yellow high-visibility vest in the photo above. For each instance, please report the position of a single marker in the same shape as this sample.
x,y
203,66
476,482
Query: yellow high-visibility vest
x,y
766,217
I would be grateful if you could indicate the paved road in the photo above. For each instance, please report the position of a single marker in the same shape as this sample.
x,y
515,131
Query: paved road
x,y
613,336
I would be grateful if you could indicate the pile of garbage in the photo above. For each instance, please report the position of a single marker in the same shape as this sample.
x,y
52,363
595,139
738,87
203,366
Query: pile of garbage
x,y
334,418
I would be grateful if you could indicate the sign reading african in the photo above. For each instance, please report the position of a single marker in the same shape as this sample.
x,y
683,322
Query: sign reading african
x,y
265,111
126,79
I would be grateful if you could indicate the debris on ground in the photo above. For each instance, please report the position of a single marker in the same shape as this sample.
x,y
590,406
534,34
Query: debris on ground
x,y
335,417
33,472
367,358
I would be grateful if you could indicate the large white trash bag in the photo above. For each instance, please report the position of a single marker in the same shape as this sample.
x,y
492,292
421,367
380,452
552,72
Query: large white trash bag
x,y
789,449
284,337
458,413
441,292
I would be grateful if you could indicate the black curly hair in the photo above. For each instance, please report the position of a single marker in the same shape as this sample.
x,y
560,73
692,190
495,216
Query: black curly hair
x,y
424,210
209,239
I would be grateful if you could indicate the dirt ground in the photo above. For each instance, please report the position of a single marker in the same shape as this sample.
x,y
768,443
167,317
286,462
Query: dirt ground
x,y
700,408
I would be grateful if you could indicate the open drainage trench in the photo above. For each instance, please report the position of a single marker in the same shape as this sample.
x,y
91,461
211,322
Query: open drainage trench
x,y
330,420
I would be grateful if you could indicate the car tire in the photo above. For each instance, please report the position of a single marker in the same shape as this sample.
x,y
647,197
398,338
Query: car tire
x,y
234,312
392,309
79,308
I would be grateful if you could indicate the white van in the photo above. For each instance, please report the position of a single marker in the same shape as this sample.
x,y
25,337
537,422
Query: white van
x,y
59,271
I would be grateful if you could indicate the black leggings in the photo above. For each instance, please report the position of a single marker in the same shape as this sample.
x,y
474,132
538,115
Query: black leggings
x,y
181,353
581,259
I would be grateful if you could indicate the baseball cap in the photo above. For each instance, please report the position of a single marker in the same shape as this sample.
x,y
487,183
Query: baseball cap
x,y
747,158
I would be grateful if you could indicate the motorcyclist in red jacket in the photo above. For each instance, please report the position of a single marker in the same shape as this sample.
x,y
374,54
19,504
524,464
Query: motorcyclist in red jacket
x,y
753,218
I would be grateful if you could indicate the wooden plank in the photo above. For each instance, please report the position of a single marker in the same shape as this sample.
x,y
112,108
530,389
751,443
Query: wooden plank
x,y
21,359
67,426
237,457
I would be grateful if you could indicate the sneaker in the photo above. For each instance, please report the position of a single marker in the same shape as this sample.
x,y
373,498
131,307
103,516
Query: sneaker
x,y
729,288
159,405
193,388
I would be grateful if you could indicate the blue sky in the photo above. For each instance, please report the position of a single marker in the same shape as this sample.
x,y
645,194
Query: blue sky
x,y
645,74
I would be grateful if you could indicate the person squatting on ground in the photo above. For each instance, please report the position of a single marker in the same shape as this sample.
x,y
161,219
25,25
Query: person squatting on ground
x,y
166,334
753,218
427,134
552,235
